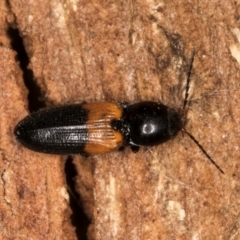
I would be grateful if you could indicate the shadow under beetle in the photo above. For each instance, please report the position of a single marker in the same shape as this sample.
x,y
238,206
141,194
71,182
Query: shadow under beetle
x,y
101,127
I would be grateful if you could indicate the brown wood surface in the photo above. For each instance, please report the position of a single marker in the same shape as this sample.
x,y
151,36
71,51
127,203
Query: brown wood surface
x,y
132,51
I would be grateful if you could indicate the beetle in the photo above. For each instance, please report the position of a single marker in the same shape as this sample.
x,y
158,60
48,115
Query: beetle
x,y
98,127
102,127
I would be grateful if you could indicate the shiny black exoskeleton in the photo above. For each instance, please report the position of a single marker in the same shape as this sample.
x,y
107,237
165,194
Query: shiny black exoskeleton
x,y
147,124
100,127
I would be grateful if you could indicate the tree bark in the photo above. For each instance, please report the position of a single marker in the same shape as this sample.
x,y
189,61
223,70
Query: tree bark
x,y
132,51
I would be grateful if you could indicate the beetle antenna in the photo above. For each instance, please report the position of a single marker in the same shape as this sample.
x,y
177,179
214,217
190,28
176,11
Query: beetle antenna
x,y
203,150
184,107
188,81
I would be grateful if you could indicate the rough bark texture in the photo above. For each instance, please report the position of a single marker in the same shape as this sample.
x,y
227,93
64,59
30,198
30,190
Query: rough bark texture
x,y
125,50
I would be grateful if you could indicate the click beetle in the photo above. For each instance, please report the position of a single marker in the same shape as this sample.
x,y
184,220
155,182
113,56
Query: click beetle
x,y
102,127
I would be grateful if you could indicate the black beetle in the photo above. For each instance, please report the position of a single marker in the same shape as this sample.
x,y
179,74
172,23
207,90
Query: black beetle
x,y
101,127
98,127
